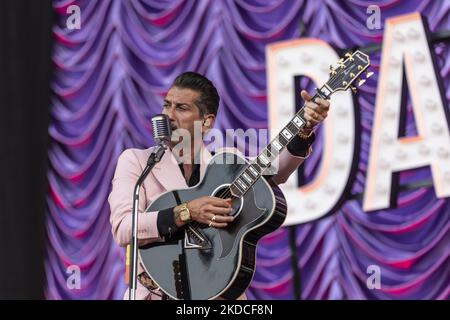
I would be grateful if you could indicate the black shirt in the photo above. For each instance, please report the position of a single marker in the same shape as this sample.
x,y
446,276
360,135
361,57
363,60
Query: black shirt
x,y
166,219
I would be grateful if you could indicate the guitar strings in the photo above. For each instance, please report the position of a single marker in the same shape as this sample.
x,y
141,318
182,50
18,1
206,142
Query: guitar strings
x,y
226,192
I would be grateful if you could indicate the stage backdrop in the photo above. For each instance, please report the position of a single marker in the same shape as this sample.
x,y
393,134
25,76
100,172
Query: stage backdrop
x,y
110,78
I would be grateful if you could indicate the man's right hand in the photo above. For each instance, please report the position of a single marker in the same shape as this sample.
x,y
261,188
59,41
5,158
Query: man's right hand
x,y
212,211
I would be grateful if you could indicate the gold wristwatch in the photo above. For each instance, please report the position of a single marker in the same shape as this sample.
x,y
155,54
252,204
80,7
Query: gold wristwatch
x,y
185,215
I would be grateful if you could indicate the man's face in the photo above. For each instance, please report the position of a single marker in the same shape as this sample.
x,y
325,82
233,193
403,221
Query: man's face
x,y
180,106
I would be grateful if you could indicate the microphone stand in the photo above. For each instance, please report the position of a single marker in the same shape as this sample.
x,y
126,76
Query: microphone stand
x,y
154,158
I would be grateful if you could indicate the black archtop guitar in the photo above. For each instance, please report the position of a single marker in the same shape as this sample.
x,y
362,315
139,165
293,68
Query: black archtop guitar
x,y
202,262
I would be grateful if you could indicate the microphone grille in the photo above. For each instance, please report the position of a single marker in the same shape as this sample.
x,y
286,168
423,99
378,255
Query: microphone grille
x,y
161,128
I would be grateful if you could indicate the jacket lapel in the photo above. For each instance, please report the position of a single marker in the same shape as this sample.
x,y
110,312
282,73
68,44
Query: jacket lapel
x,y
169,174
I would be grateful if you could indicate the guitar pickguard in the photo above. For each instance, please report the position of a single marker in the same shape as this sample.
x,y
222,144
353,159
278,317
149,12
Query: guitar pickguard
x,y
250,214
194,238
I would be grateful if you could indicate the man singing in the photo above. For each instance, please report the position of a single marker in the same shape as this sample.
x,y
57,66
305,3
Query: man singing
x,y
191,98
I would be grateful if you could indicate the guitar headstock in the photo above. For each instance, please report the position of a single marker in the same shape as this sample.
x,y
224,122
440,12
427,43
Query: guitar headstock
x,y
348,70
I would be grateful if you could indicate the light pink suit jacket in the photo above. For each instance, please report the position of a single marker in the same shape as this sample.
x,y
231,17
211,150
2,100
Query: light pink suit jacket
x,y
165,176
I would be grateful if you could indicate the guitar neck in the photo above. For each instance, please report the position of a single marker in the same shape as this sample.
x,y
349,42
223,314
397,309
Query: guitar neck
x,y
256,168
341,78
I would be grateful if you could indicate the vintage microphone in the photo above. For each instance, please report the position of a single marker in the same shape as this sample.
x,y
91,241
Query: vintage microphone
x,y
161,133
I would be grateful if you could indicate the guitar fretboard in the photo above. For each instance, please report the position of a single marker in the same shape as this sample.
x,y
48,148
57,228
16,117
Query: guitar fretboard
x,y
264,160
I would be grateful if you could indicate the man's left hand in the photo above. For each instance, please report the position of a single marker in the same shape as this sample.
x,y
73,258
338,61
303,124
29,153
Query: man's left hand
x,y
315,111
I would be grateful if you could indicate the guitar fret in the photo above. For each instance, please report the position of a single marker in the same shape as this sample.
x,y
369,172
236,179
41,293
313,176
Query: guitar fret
x,y
267,153
324,92
264,160
246,177
274,149
294,130
239,191
286,134
282,140
298,122
241,184
253,171
257,167
277,145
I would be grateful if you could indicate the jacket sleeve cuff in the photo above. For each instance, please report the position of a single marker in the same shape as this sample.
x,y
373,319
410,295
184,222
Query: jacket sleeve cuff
x,y
301,147
166,223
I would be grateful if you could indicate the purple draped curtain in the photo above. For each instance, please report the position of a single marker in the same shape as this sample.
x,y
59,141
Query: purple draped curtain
x,y
110,78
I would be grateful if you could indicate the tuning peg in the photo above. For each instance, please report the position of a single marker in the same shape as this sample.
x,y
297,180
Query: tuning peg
x,y
349,56
369,74
332,71
360,68
352,75
361,82
354,89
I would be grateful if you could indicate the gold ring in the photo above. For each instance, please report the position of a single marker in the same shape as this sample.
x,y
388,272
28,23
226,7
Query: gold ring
x,y
211,224
213,218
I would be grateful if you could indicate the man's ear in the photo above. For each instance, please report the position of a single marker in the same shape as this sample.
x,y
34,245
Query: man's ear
x,y
208,121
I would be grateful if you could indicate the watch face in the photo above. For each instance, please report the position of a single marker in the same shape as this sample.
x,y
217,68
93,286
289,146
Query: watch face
x,y
185,215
